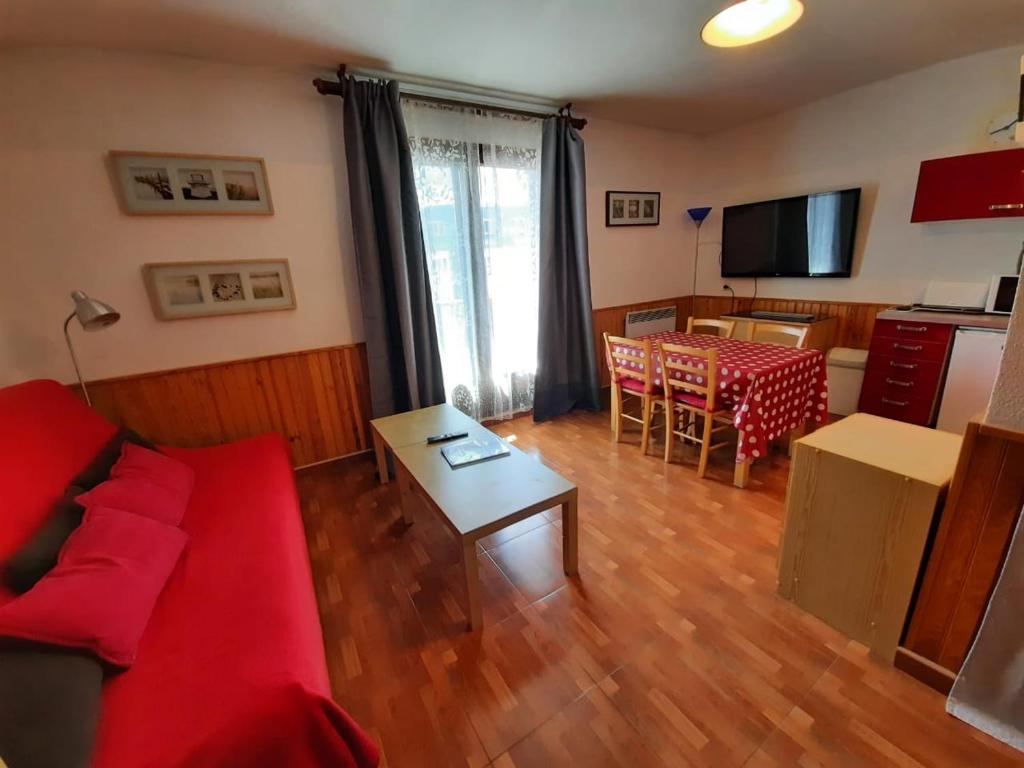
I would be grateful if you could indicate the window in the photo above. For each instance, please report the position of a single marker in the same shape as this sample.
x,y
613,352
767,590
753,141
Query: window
x,y
478,183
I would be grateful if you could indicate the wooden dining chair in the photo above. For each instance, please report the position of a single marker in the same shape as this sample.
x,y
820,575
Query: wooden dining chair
x,y
783,335
686,400
642,384
721,328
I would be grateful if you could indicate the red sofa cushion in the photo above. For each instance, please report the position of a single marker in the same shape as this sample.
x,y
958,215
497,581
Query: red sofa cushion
x,y
147,483
138,496
138,463
100,595
47,436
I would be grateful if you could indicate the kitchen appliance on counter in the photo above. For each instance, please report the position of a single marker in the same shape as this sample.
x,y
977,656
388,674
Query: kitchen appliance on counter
x,y
970,376
1001,293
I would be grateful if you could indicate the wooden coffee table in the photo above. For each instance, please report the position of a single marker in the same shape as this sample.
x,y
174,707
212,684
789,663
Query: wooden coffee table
x,y
476,500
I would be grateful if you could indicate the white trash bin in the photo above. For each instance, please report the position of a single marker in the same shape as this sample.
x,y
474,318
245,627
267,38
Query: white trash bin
x,y
845,377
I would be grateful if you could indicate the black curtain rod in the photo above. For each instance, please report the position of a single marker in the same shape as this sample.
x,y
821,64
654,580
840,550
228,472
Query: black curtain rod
x,y
331,88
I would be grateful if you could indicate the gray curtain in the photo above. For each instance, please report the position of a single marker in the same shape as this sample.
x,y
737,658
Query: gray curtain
x,y
398,315
566,363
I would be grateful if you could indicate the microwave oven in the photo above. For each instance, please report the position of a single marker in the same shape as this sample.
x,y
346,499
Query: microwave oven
x,y
1001,293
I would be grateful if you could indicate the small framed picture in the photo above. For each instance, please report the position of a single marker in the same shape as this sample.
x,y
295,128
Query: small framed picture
x,y
154,183
182,289
632,209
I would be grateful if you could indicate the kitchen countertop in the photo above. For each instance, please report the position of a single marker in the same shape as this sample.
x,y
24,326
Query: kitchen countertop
x,y
961,319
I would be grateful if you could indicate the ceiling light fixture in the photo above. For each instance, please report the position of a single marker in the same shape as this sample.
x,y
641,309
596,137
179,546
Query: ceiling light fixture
x,y
751,21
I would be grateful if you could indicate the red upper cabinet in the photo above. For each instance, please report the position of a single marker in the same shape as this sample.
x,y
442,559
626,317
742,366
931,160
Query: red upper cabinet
x,y
987,185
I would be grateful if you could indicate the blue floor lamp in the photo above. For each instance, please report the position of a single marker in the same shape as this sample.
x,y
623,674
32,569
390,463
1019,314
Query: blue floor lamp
x,y
698,215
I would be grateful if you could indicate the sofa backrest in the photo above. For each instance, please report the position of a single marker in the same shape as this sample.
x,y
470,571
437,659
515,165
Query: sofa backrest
x,y
47,436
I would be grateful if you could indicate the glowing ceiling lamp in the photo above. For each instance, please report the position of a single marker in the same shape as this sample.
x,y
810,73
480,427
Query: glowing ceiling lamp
x,y
751,21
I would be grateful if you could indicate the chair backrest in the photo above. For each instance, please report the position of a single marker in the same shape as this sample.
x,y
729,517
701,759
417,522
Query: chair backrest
x,y
784,335
622,353
678,362
720,328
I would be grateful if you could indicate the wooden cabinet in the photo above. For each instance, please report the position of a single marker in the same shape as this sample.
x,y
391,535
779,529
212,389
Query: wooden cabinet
x,y
861,499
905,370
986,185
970,546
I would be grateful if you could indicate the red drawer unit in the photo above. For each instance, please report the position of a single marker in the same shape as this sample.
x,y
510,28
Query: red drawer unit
x,y
986,185
910,349
905,370
913,330
911,410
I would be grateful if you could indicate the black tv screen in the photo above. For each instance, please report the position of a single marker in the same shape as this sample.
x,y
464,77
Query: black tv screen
x,y
805,236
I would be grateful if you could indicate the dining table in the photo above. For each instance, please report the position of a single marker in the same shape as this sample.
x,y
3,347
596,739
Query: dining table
x,y
771,390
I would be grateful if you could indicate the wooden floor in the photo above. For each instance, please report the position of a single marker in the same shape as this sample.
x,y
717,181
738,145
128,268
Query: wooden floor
x,y
670,649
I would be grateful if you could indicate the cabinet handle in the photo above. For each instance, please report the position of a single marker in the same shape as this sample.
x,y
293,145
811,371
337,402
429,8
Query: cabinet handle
x,y
899,383
1006,207
915,328
908,347
905,366
899,403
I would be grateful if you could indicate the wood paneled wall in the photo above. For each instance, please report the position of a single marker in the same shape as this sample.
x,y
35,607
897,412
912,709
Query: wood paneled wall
x,y
856,320
318,399
974,535
612,320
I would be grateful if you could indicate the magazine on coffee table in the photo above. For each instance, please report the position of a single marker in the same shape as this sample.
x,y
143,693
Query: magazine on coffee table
x,y
473,451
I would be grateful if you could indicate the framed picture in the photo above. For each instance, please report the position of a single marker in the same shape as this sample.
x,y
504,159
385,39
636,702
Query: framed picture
x,y
632,209
153,183
180,289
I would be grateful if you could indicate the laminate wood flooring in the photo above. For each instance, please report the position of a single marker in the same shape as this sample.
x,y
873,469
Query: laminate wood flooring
x,y
670,649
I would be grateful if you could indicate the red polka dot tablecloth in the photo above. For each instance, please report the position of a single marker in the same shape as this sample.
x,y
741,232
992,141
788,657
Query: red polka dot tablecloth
x,y
770,389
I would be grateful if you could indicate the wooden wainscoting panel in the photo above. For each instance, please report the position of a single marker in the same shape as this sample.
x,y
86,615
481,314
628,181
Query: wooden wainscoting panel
x,y
318,399
612,320
856,320
974,535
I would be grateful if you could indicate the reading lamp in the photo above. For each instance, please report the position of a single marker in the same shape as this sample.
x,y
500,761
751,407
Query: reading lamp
x,y
698,215
93,315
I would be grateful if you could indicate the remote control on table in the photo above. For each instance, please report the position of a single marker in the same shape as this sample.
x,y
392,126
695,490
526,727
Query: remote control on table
x,y
445,437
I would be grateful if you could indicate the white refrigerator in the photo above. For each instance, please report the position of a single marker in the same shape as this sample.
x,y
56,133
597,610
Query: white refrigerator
x,y
971,375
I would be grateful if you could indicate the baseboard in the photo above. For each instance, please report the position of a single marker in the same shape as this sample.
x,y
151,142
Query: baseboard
x,y
927,671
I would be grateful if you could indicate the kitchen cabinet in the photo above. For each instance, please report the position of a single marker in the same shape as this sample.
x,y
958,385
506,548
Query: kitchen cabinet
x,y
986,185
863,493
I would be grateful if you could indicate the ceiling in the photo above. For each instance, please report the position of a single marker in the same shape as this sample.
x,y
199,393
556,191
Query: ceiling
x,y
640,62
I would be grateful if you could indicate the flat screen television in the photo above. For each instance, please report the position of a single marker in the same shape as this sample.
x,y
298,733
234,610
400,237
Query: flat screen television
x,y
804,236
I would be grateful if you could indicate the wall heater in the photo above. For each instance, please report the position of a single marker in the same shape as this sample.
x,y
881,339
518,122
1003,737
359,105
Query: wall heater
x,y
650,321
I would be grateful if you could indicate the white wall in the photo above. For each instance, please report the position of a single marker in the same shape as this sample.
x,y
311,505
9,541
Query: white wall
x,y
874,137
634,264
62,110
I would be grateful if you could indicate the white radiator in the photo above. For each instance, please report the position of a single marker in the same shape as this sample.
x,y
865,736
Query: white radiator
x,y
650,321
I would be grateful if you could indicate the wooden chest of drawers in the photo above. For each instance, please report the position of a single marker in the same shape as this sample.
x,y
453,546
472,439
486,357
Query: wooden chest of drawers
x,y
905,370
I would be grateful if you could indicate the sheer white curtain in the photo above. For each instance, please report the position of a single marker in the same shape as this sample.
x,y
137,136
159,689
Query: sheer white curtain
x,y
478,183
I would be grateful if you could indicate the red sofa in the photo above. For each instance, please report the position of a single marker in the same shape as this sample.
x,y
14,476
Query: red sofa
x,y
231,668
